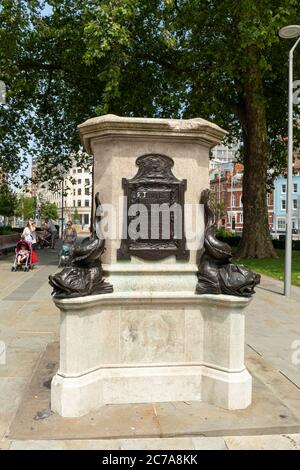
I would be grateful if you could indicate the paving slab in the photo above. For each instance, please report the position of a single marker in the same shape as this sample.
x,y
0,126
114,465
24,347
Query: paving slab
x,y
11,391
4,444
282,442
273,325
19,363
29,322
29,287
268,414
204,443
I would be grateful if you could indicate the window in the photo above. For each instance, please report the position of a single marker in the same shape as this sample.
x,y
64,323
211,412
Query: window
x,y
233,200
295,187
74,203
79,170
79,181
86,219
283,205
79,191
86,203
74,192
281,224
295,204
87,191
79,203
87,181
283,188
241,218
74,171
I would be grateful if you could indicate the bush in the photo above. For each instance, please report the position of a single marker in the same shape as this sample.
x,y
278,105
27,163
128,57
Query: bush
x,y
280,244
7,230
223,233
231,241
234,240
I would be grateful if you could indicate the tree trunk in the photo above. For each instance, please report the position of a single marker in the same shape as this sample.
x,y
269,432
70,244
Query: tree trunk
x,y
256,240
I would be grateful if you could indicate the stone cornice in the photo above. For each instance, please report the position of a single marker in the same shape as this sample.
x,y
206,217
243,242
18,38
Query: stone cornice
x,y
110,125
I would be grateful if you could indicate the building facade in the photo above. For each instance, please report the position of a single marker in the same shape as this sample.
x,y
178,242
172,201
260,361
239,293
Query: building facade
x,y
74,196
226,185
280,196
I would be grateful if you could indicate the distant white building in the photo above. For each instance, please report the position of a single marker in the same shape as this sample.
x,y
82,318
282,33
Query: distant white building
x,y
223,156
75,194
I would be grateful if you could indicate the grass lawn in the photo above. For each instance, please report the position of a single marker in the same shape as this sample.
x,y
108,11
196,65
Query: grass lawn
x,y
274,267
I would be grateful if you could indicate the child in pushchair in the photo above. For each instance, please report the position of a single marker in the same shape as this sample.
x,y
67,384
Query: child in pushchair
x,y
23,256
65,256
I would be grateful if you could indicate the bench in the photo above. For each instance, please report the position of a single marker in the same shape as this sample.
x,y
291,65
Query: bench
x,y
8,242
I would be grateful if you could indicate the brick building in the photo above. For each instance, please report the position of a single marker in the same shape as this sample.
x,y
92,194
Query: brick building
x,y
226,185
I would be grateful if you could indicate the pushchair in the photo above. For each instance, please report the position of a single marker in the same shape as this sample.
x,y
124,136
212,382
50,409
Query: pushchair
x,y
44,238
22,260
65,256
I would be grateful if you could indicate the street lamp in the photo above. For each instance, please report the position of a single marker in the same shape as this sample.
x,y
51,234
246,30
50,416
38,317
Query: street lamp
x,y
289,32
62,171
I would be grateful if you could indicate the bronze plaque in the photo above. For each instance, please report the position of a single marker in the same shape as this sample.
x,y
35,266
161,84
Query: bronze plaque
x,y
154,214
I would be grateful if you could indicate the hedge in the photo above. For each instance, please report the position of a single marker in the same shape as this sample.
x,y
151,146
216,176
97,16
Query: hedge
x,y
278,244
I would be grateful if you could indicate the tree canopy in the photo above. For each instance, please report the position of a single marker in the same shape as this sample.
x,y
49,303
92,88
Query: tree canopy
x,y
217,59
49,210
8,201
26,207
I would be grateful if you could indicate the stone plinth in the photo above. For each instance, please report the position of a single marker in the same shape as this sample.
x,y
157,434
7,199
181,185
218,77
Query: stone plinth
x,y
150,347
152,339
116,142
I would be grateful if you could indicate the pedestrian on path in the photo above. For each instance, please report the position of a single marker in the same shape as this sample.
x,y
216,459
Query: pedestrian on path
x,y
52,229
28,231
69,236
29,235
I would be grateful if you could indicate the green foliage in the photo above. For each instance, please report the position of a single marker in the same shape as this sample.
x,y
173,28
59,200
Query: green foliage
x,y
7,230
224,233
184,57
49,210
26,207
76,216
8,201
221,60
274,267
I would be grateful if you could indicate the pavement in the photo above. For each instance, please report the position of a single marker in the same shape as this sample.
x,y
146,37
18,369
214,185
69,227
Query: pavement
x,y
29,333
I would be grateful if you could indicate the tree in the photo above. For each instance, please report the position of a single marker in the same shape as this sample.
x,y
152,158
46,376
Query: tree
x,y
8,201
221,60
51,87
218,208
49,211
26,207
76,217
217,59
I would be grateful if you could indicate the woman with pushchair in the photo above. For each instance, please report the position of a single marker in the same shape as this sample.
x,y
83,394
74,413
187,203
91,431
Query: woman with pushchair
x,y
29,235
69,236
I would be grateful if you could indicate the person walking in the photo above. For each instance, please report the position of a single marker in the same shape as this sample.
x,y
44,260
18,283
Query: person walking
x,y
52,229
33,234
69,236
28,231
